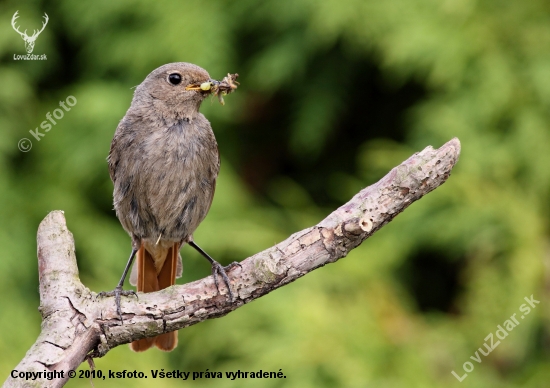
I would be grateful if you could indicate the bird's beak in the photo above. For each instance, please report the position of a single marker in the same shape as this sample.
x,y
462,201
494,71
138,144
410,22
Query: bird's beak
x,y
205,86
218,88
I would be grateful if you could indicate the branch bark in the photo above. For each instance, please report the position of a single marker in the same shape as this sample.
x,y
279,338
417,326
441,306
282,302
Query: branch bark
x,y
77,326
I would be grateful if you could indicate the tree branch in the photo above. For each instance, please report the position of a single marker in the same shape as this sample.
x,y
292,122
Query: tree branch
x,y
78,325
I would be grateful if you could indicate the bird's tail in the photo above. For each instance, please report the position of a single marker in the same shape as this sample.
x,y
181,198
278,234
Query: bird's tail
x,y
150,280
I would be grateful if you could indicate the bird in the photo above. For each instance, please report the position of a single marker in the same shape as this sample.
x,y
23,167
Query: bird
x,y
164,162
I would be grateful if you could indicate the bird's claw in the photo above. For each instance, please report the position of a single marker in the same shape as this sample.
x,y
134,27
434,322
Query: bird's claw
x,y
232,265
117,293
218,268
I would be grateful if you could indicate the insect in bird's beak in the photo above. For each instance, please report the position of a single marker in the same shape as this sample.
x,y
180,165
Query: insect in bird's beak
x,y
205,86
217,88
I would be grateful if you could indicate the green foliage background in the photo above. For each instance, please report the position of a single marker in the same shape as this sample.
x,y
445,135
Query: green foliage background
x,y
333,94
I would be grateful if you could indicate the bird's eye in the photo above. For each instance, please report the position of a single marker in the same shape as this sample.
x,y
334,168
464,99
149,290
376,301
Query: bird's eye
x,y
174,78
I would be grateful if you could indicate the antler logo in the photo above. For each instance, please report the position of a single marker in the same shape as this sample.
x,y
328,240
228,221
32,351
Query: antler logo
x,y
29,40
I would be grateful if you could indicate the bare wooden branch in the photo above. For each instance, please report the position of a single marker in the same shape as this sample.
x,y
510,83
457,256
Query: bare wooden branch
x,y
76,324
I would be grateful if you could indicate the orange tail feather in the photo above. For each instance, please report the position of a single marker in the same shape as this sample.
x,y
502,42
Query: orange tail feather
x,y
150,280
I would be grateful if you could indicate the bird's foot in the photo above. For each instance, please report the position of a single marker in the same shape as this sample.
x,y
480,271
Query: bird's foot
x,y
217,268
117,293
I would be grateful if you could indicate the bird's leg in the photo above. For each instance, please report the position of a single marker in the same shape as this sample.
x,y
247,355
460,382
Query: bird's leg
x,y
118,291
216,268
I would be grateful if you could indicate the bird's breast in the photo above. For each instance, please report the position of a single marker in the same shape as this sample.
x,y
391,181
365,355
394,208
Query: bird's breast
x,y
170,188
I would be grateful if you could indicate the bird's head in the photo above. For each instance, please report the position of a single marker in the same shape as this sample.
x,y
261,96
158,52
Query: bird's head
x,y
175,91
166,90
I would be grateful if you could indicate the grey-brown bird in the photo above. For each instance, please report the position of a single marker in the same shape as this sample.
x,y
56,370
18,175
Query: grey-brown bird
x,y
164,162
